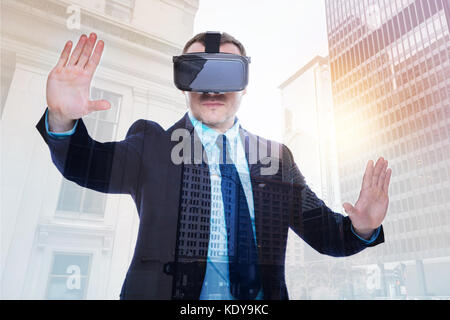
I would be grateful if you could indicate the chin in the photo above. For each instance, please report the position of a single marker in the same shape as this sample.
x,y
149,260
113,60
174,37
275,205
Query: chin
x,y
212,119
212,122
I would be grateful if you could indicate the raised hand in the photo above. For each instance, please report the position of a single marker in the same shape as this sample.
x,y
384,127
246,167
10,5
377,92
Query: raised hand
x,y
372,204
68,84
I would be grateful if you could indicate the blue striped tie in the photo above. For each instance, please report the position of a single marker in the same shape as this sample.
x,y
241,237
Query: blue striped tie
x,y
245,281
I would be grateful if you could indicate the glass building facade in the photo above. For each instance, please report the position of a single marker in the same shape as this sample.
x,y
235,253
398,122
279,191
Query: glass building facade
x,y
390,71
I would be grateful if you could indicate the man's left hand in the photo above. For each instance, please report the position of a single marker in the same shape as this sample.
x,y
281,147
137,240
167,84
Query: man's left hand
x,y
371,206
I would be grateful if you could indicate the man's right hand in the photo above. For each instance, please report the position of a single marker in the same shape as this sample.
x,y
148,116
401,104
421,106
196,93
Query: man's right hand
x,y
68,84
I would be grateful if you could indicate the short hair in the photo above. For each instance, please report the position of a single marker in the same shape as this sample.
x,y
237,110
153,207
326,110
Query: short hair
x,y
225,38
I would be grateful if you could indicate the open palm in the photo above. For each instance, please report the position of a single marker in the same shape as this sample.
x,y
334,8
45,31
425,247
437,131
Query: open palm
x,y
68,84
371,207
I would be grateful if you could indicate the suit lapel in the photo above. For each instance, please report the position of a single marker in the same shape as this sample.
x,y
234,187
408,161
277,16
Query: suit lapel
x,y
175,173
252,146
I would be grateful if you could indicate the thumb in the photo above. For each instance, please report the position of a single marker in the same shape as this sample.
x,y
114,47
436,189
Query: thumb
x,y
98,105
350,209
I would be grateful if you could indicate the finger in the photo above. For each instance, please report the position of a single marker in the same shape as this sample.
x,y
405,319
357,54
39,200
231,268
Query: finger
x,y
382,175
377,171
98,105
349,208
387,180
87,50
367,179
64,55
94,60
76,53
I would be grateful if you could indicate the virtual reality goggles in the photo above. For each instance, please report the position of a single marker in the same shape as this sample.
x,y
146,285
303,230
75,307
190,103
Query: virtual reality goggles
x,y
211,71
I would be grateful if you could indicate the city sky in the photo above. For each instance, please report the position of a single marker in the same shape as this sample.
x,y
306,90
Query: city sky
x,y
280,37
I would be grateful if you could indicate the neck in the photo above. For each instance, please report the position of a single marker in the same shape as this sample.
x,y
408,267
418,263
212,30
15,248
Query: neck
x,y
220,127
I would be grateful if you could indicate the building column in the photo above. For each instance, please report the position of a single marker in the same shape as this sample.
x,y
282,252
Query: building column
x,y
421,278
383,286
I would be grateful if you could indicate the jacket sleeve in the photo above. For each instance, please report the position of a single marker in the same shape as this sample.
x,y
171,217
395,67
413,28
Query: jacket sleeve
x,y
111,167
326,231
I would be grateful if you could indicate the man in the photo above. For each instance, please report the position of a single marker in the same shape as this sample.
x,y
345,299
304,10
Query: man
x,y
209,229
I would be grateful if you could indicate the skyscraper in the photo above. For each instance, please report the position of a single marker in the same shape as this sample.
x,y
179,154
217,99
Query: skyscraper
x,y
390,71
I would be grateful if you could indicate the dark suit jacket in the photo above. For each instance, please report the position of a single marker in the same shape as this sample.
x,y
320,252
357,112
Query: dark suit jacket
x,y
141,166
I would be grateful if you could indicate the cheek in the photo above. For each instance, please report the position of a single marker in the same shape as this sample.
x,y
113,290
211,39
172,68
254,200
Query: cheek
x,y
235,102
192,100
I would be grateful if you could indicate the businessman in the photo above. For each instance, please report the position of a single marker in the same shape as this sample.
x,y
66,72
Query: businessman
x,y
213,225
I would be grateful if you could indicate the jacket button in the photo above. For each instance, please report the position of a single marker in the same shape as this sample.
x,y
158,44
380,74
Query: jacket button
x,y
168,268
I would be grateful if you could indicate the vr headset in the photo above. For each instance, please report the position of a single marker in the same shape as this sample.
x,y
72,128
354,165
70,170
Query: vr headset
x,y
211,71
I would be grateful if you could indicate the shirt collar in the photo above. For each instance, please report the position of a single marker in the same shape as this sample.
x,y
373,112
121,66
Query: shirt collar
x,y
208,135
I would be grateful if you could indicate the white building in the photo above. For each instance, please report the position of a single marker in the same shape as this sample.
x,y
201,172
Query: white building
x,y
309,134
309,128
59,240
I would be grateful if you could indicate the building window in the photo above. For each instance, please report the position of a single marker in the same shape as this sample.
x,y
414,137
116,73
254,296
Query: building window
x,y
68,277
102,127
122,9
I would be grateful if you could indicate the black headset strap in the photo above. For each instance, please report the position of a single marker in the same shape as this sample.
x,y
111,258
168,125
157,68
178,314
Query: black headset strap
x,y
212,42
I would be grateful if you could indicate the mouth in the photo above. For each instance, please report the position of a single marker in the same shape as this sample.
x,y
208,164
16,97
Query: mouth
x,y
212,104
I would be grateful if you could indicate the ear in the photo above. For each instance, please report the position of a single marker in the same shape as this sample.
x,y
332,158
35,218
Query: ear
x,y
244,92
